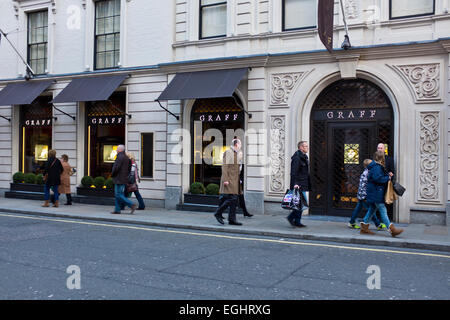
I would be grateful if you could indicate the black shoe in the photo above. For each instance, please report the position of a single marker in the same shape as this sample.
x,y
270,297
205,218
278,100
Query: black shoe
x,y
234,223
140,208
219,218
291,222
246,214
114,212
67,204
300,225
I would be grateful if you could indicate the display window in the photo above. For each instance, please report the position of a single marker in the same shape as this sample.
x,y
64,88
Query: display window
x,y
105,131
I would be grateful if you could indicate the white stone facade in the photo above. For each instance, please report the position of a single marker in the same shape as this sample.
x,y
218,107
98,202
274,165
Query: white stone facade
x,y
407,58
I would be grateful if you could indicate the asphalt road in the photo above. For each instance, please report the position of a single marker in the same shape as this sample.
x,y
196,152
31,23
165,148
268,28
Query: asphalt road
x,y
53,258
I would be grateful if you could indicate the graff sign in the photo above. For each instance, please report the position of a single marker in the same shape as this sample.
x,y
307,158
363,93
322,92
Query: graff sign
x,y
219,117
38,122
106,120
351,114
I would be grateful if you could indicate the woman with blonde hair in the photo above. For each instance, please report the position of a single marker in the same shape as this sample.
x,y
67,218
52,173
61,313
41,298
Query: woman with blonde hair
x,y
376,188
135,170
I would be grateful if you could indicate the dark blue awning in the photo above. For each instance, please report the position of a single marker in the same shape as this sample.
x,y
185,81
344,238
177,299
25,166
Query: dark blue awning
x,y
23,92
203,84
90,89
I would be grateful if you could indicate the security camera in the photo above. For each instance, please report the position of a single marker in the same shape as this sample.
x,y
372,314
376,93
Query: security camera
x,y
346,44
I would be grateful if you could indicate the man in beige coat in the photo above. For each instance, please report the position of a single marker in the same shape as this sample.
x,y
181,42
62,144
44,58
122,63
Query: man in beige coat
x,y
230,183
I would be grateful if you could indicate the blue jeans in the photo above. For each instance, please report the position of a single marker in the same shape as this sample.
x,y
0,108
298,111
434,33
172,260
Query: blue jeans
x,y
119,195
139,199
383,213
358,208
296,215
47,192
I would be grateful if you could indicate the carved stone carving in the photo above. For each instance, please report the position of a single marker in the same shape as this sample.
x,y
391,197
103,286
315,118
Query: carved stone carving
x,y
351,9
277,154
282,85
428,177
423,79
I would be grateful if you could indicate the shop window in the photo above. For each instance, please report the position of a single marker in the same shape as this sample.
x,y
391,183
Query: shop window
x,y
107,34
410,8
299,14
147,154
37,41
213,18
35,135
215,123
105,131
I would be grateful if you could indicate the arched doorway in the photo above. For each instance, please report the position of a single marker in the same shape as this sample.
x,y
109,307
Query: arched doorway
x,y
348,119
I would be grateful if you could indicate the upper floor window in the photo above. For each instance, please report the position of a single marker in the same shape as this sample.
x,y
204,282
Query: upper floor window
x,y
299,14
107,34
213,18
37,41
410,8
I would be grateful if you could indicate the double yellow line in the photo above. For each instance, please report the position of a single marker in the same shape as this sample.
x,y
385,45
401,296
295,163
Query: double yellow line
x,y
221,236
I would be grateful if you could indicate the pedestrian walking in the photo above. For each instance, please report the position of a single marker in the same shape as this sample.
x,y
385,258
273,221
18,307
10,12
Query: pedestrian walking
x,y
300,179
64,187
376,188
52,178
230,184
389,162
120,172
135,171
361,195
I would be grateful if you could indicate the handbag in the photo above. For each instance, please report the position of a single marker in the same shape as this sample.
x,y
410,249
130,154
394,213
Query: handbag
x,y
131,187
390,196
399,189
294,200
45,177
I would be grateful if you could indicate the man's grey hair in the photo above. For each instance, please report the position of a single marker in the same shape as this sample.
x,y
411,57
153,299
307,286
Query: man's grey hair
x,y
120,148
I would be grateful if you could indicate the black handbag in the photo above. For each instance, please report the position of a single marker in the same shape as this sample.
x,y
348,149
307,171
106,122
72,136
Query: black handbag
x,y
399,189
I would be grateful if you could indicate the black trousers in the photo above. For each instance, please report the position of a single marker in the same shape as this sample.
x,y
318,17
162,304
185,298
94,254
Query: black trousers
x,y
228,200
240,202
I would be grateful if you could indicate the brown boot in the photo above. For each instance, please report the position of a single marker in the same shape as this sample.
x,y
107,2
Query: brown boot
x,y
56,205
365,229
46,204
394,231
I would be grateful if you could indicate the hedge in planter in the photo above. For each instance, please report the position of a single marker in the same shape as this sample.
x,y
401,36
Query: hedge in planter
x,y
109,183
30,178
87,181
99,182
197,188
40,179
18,177
212,189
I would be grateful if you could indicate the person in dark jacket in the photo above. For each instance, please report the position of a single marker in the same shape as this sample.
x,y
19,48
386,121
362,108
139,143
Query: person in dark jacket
x,y
376,188
120,172
388,161
300,179
53,169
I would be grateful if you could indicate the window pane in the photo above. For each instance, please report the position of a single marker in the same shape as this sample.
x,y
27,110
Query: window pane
x,y
109,59
300,14
100,60
117,8
403,8
33,52
117,24
117,42
110,8
214,21
147,154
41,51
101,44
101,8
109,42
116,58
109,25
100,26
205,2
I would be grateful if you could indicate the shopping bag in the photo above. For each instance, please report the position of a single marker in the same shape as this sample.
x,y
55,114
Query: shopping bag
x,y
286,202
390,196
399,189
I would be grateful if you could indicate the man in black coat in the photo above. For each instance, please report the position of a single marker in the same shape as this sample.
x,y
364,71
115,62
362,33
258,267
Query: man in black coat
x,y
52,171
300,179
120,172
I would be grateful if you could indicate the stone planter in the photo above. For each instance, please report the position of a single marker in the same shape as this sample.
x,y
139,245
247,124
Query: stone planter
x,y
27,187
94,192
204,199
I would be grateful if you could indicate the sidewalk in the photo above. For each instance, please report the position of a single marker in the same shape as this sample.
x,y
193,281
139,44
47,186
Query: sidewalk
x,y
416,236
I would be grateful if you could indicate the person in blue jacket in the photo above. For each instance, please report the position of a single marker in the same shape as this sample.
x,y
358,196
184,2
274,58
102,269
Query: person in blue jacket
x,y
376,188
